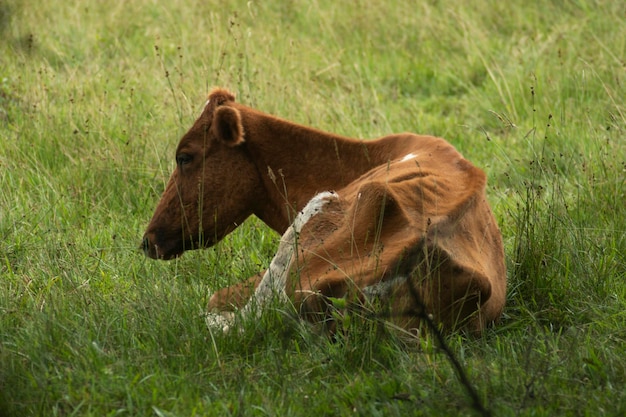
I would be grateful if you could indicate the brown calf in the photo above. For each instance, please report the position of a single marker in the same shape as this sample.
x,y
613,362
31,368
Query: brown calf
x,y
372,221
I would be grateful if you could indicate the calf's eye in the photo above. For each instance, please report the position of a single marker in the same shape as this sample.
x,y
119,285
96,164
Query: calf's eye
x,y
183,159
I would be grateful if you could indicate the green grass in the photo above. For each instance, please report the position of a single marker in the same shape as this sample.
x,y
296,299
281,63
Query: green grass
x,y
94,97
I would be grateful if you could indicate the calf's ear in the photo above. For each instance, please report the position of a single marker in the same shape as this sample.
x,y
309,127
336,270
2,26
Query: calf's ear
x,y
227,125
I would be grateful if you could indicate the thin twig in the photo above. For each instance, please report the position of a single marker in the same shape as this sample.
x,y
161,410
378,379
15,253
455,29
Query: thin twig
x,y
434,329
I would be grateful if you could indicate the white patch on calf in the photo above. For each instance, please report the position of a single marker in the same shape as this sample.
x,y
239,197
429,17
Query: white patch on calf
x,y
313,207
219,320
275,278
383,289
206,104
408,156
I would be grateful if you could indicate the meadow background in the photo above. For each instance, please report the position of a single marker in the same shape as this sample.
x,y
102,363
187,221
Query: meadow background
x,y
94,96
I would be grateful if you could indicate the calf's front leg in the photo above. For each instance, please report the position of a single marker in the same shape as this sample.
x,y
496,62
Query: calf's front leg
x,y
224,303
234,296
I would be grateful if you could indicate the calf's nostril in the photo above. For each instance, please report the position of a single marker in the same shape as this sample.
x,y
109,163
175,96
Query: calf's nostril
x,y
145,244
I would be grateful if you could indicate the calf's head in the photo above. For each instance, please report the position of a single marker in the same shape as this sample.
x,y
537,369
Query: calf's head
x,y
212,189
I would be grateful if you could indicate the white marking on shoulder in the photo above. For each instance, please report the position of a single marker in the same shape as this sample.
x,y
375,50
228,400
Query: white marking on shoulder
x,y
313,207
206,104
408,156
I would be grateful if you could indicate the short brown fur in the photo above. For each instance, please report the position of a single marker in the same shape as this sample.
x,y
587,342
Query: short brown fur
x,y
407,206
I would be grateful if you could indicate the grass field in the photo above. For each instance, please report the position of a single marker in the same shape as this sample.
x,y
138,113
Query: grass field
x,y
94,96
